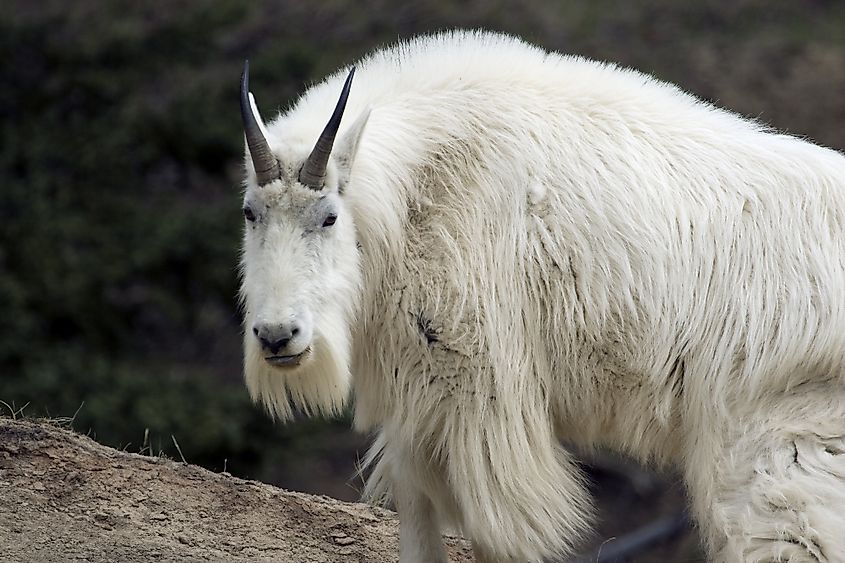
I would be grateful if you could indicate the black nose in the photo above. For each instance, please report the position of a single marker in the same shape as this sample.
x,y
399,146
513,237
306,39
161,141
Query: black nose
x,y
275,337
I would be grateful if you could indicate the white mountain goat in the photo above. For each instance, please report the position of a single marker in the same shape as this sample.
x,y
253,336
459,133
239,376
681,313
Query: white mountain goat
x,y
506,249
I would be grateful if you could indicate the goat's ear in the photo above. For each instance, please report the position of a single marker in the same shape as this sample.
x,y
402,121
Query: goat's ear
x,y
253,105
347,148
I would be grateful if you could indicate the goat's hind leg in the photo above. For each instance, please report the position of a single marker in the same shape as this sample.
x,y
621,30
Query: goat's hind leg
x,y
776,488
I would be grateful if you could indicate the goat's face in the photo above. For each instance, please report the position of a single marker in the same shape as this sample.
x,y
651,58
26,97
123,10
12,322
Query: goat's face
x,y
300,270
300,265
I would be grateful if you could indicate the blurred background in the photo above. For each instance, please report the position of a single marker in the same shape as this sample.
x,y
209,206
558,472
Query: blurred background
x,y
120,167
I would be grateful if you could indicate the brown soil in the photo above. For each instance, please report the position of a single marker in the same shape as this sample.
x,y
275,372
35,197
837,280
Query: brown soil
x,y
63,497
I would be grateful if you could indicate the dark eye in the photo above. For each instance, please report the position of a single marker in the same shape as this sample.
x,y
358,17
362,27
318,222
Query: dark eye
x,y
330,220
250,216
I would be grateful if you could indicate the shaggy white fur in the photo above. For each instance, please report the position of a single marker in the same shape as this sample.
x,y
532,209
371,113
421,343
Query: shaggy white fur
x,y
532,248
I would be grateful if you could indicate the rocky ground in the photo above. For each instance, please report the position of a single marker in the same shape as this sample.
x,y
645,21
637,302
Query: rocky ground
x,y
63,497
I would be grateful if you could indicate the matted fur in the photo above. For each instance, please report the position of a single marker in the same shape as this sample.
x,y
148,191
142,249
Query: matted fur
x,y
550,248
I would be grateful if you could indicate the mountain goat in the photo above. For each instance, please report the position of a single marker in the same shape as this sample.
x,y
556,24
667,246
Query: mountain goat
x,y
505,249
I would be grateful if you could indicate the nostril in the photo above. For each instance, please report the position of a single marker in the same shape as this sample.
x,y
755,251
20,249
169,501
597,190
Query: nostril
x,y
294,331
255,330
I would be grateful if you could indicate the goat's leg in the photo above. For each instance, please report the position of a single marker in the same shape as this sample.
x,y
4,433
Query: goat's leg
x,y
769,484
481,556
419,530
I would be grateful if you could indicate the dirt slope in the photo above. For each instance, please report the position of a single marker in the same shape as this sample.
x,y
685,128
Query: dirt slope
x,y
64,497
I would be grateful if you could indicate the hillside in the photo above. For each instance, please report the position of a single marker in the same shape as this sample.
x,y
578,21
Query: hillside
x,y
63,497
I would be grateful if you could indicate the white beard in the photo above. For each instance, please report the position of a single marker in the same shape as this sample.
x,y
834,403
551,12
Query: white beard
x,y
319,386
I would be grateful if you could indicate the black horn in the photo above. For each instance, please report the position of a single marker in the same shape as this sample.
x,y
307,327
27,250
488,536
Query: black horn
x,y
266,165
313,173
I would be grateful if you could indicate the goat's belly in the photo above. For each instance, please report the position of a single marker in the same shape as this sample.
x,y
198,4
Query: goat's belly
x,y
624,412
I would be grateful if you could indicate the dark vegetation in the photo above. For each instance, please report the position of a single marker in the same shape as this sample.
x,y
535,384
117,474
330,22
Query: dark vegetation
x,y
120,163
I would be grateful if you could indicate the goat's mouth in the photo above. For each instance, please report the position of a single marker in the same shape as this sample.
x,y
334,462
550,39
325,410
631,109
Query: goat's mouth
x,y
288,361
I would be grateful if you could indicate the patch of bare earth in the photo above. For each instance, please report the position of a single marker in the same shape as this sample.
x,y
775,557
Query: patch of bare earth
x,y
63,497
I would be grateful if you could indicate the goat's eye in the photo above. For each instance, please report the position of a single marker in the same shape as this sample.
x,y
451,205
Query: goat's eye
x,y
330,220
250,216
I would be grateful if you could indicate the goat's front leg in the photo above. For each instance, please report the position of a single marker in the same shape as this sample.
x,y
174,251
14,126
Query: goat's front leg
x,y
419,531
481,555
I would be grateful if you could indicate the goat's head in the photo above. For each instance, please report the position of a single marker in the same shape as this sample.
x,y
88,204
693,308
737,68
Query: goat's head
x,y
300,271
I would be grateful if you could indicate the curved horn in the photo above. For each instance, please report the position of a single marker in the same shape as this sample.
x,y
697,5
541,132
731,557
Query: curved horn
x,y
266,165
313,173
